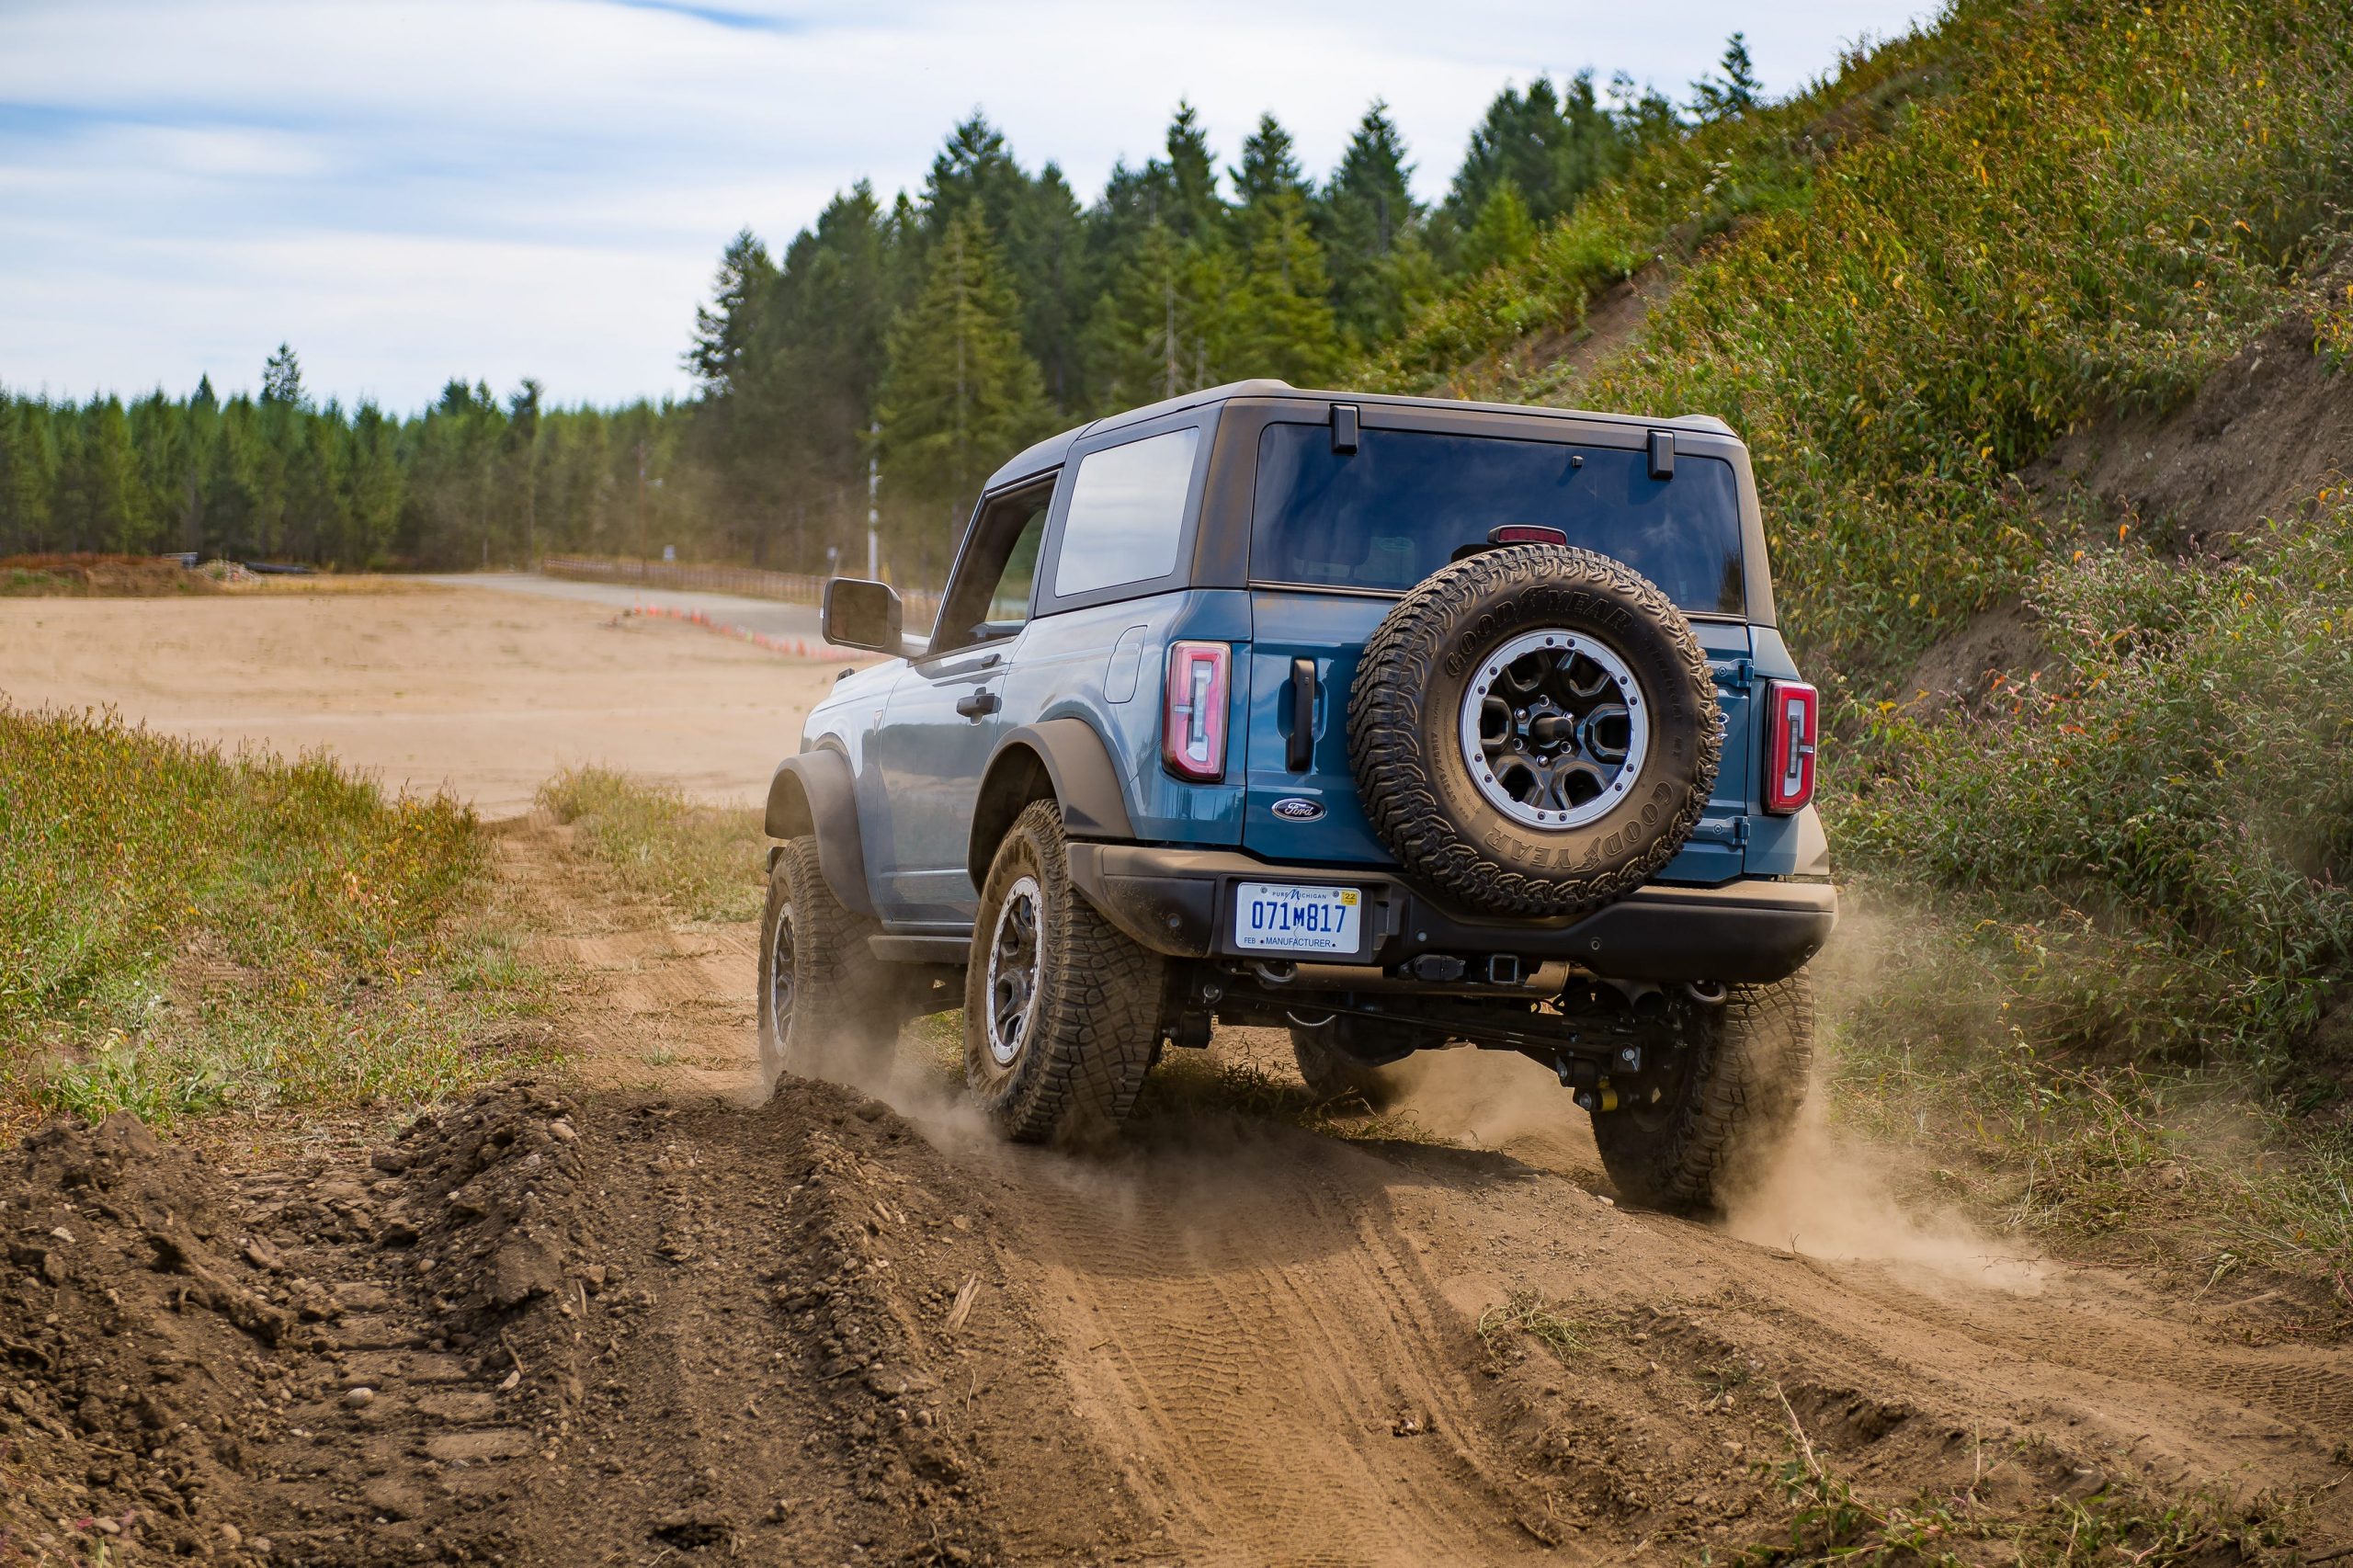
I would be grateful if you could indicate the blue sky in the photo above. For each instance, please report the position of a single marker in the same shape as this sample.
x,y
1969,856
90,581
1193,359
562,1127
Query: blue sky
x,y
412,190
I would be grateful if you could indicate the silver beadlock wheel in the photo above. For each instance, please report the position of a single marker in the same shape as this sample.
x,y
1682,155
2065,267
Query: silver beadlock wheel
x,y
1553,729
1013,971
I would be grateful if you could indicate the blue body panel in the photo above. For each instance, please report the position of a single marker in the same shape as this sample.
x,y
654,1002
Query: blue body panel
x,y
917,759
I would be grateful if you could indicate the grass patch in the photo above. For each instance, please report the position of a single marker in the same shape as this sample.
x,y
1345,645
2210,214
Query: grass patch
x,y
183,930
1527,1312
1832,1521
704,862
98,577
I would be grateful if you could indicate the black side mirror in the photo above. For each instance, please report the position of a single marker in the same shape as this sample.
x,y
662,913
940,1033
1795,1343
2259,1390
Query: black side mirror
x,y
859,614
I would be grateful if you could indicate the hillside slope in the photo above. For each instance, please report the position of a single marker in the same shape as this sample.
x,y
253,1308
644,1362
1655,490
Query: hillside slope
x,y
2038,327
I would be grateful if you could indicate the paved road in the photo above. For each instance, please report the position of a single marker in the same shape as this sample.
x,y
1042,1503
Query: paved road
x,y
754,615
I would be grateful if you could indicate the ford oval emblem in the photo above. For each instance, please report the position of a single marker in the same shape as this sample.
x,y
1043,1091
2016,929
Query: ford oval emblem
x,y
1293,809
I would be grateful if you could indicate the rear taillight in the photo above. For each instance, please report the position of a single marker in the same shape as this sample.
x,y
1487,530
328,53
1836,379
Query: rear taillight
x,y
1790,717
1193,724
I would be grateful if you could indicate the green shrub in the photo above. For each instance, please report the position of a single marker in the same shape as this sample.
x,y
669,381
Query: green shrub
x,y
2165,832
182,930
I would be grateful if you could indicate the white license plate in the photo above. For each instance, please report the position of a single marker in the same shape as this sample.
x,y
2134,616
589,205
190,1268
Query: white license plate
x,y
1283,917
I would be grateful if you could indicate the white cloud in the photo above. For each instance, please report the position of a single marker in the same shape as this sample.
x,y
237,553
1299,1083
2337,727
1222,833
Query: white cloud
x,y
408,189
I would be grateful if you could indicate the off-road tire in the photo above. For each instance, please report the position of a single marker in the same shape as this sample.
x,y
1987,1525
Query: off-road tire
x,y
1735,1104
1418,791
1094,1024
845,1019
1333,1073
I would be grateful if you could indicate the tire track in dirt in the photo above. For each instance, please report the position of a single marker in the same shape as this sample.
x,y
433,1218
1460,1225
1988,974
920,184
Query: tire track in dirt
x,y
1253,1338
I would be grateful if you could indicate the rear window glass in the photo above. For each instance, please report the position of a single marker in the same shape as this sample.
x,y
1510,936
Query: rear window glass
x,y
1127,508
1395,510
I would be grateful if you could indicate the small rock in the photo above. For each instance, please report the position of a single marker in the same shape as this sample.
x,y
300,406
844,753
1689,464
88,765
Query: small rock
x,y
563,1131
232,1536
263,1544
393,1160
871,1110
62,1235
1605,1201
360,1398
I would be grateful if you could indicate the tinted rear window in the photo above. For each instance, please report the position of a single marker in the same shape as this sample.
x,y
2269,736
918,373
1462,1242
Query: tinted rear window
x,y
1397,509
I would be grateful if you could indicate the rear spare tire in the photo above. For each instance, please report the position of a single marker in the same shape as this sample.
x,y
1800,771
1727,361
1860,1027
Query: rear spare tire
x,y
1534,731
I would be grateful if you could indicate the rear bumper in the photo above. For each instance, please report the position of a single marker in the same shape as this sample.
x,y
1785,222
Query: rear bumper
x,y
1180,902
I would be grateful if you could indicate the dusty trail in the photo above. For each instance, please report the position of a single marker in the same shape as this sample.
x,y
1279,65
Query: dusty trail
x,y
646,1319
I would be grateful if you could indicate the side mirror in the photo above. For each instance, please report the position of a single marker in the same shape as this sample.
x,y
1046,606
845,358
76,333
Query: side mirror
x,y
859,614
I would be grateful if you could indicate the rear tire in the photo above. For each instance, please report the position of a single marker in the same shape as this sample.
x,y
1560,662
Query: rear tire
x,y
1333,1072
1744,1081
826,1004
1061,1010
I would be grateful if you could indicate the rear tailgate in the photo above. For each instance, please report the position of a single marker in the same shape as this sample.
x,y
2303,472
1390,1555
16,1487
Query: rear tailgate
x,y
1312,815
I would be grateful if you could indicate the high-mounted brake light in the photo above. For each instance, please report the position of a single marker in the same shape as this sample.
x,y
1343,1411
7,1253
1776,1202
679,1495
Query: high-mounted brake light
x,y
1790,730
1192,727
1527,533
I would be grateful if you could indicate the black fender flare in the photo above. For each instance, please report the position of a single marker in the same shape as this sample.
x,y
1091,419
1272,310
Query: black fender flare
x,y
1065,756
812,795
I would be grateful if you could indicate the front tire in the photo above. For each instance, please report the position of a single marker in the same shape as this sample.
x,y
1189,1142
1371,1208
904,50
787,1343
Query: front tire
x,y
1741,1083
1061,1010
825,1001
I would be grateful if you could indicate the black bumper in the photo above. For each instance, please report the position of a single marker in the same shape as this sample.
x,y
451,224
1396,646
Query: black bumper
x,y
1180,902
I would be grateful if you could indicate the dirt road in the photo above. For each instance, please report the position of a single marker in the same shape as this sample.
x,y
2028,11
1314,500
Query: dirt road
x,y
481,691
645,1315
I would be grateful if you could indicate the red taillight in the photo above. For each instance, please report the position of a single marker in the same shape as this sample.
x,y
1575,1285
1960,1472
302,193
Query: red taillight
x,y
1790,717
1527,533
1192,727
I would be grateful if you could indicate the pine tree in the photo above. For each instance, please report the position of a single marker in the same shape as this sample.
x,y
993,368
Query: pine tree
x,y
1269,168
1733,92
725,328
1193,209
1280,320
1368,212
960,394
1150,333
1503,231
281,379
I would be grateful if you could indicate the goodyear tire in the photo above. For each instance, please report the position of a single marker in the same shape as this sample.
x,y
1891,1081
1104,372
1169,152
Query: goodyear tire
x,y
826,1005
1715,1117
1061,1010
1534,731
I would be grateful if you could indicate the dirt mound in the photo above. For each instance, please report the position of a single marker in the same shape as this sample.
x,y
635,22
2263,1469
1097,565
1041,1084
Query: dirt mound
x,y
531,1330
2264,433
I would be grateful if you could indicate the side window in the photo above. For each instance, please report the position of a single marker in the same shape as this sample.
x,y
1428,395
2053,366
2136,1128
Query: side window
x,y
1127,508
990,598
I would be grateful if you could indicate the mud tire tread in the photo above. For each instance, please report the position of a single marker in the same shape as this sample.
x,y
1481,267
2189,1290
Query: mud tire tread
x,y
1740,1101
1390,739
836,976
1096,1032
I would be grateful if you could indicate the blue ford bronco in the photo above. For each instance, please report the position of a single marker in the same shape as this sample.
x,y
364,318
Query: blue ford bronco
x,y
1401,723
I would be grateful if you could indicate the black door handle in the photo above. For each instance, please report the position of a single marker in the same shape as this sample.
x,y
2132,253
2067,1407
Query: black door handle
x,y
977,704
1298,751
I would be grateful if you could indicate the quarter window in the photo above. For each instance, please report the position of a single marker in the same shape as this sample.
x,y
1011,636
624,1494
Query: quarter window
x,y
1126,509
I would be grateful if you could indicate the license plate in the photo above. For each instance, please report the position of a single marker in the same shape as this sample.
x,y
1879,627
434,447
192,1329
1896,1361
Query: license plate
x,y
1283,917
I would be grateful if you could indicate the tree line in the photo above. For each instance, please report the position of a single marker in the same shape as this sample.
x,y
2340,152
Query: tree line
x,y
933,334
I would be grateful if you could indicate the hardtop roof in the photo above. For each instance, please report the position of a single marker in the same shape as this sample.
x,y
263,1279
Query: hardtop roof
x,y
1051,452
